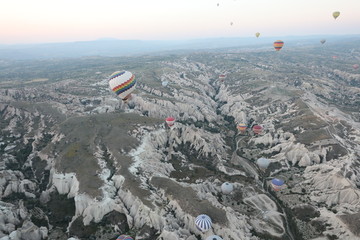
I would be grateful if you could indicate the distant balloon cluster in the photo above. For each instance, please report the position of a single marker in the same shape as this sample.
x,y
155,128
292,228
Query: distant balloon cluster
x,y
123,83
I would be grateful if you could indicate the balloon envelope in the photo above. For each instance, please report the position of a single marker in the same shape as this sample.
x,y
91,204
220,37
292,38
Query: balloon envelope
x,y
322,41
336,14
164,83
263,162
214,237
124,237
277,184
257,129
203,222
170,121
278,44
356,66
122,83
257,34
222,77
227,188
241,127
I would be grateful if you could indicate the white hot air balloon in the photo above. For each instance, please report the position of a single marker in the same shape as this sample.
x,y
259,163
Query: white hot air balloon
x,y
214,237
203,222
263,163
122,83
164,83
227,188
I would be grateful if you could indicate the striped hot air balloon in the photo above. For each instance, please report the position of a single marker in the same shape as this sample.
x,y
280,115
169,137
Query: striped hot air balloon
x,y
241,127
124,237
278,44
277,184
122,83
203,222
214,237
257,129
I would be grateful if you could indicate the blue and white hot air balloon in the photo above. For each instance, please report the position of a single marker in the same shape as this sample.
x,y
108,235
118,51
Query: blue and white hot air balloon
x,y
124,237
214,237
277,184
203,222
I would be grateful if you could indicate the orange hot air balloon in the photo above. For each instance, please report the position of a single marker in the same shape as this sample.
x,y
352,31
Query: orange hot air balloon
x,y
278,44
242,127
257,129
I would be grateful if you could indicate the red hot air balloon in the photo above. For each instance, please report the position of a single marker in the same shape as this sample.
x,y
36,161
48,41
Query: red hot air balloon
x,y
278,44
222,77
257,129
170,121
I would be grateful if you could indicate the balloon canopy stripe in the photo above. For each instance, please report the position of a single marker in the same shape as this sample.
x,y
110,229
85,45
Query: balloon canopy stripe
x,y
125,86
116,74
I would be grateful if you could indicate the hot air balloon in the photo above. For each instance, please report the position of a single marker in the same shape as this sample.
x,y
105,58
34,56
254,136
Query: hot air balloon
x,y
257,129
241,127
277,184
322,41
214,237
356,66
122,83
218,4
257,34
263,163
336,14
227,188
222,77
278,44
231,23
164,83
124,237
203,222
170,121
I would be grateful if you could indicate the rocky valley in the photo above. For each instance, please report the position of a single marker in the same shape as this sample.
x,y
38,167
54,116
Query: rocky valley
x,y
78,163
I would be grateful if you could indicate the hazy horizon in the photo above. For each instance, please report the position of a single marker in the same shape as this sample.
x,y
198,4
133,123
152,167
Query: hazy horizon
x,y
41,21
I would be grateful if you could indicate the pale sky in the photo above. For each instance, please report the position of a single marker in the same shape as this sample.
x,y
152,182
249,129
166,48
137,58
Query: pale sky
x,y
39,21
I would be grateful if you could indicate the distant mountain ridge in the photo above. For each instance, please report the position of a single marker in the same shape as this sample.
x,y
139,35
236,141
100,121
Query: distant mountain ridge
x,y
113,47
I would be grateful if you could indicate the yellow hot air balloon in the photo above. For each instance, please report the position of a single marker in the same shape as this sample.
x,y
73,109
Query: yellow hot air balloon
x,y
257,34
278,44
336,14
